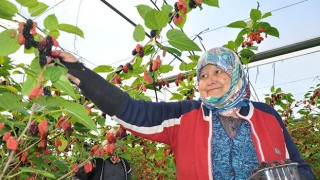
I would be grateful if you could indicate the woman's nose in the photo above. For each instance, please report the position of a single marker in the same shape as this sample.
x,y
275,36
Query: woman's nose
x,y
212,79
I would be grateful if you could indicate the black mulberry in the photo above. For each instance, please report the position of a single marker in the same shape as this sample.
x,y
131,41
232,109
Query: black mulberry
x,y
153,33
134,52
33,129
46,91
129,66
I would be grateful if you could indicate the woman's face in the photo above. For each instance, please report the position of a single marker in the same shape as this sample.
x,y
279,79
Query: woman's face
x,y
214,82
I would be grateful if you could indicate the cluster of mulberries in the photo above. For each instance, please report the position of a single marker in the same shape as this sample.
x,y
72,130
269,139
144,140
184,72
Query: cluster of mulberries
x,y
254,37
138,50
26,32
45,49
180,5
162,83
190,94
33,129
271,164
127,67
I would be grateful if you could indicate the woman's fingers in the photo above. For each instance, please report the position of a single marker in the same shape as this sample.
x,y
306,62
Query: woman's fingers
x,y
65,56
73,79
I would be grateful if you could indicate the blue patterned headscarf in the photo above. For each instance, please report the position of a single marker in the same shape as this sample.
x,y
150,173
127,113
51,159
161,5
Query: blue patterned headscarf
x,y
239,92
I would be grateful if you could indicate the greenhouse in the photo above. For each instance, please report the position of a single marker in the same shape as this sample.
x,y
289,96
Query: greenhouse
x,y
115,89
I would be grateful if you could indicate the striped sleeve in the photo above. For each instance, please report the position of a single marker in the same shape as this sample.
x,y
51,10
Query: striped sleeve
x,y
155,121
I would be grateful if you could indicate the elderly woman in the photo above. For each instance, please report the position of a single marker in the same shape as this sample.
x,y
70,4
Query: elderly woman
x,y
224,135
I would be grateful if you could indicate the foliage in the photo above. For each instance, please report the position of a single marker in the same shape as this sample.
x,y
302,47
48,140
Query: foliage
x,y
302,121
51,135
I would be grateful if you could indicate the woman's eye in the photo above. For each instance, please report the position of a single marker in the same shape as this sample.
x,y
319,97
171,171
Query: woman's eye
x,y
218,71
203,76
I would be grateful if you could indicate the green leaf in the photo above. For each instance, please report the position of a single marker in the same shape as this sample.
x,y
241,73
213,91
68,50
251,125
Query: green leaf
x,y
237,24
165,68
64,84
51,22
10,101
38,9
103,69
242,33
37,171
52,101
258,25
80,113
27,3
186,67
8,45
179,40
231,45
246,53
156,20
71,29
64,144
137,63
1,60
194,58
5,16
272,31
171,50
143,10
127,75
278,90
167,9
126,156
266,15
245,60
35,66
272,89
28,85
12,89
214,3
139,33
249,24
238,42
255,14
52,73
252,48
101,120
54,33
176,96
110,76
149,49
7,9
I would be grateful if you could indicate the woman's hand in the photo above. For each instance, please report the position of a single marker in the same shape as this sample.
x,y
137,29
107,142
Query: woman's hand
x,y
69,58
65,56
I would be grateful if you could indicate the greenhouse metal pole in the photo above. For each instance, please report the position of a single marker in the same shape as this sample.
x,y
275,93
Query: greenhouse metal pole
x,y
271,53
286,49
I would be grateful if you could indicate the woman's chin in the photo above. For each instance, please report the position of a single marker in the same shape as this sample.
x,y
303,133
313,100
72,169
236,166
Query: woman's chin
x,y
214,96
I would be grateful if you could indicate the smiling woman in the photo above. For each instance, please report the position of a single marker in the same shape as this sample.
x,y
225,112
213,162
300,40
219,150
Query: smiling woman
x,y
222,83
214,82
228,135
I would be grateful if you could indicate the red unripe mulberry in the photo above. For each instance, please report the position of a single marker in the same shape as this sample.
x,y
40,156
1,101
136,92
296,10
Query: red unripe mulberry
x,y
117,79
125,68
138,48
